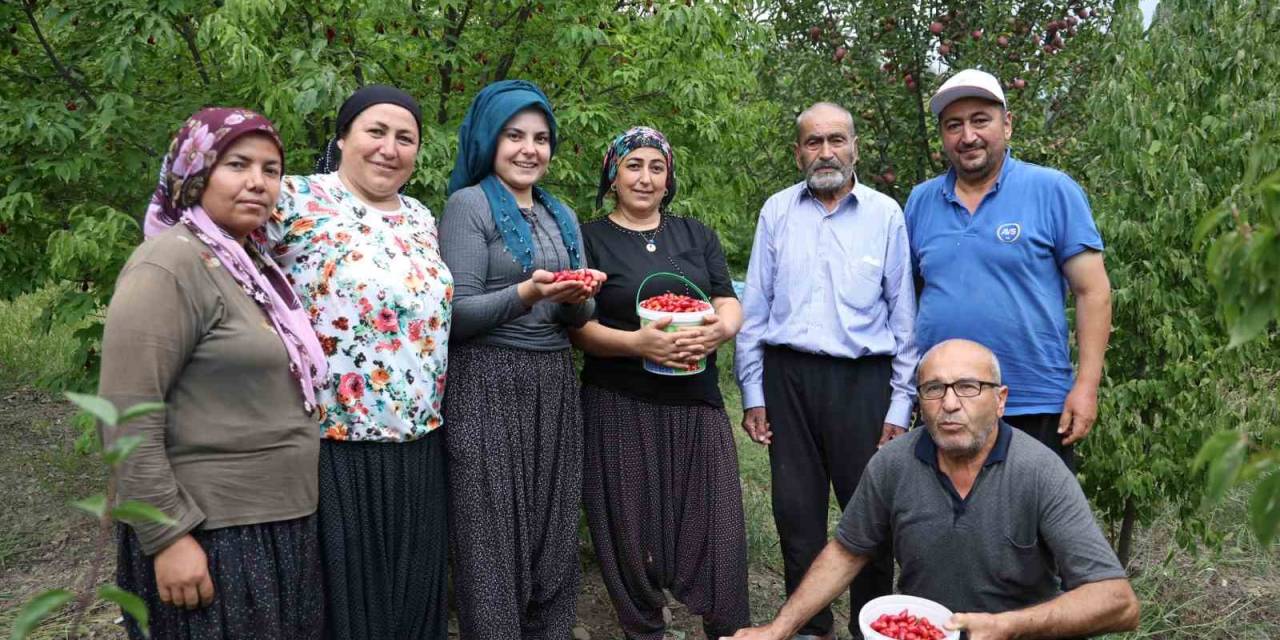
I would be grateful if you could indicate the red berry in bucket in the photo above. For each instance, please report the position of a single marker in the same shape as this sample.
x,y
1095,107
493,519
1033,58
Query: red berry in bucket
x,y
674,303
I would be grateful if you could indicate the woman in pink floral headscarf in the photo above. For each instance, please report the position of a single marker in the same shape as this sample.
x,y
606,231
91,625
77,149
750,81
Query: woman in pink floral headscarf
x,y
201,322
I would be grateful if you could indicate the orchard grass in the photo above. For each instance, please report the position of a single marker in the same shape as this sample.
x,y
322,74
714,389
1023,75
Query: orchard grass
x,y
30,352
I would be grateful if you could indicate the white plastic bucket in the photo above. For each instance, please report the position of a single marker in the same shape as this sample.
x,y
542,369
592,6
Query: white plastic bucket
x,y
678,320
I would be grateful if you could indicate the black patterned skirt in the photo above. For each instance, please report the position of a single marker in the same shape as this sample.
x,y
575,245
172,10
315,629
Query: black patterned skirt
x,y
514,434
664,505
384,538
266,582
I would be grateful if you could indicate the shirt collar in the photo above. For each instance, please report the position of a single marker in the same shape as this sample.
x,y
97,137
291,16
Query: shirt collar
x,y
927,449
949,184
850,198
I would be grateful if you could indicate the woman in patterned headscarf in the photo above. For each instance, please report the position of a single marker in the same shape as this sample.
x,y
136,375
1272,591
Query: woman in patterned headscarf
x,y
660,478
515,430
205,324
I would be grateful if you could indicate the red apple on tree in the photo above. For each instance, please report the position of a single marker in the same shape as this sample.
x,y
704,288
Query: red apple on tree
x,y
977,34
1019,83
1002,41
815,33
840,54
935,27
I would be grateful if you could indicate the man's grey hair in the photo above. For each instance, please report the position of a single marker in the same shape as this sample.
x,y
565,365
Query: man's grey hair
x,y
995,362
823,105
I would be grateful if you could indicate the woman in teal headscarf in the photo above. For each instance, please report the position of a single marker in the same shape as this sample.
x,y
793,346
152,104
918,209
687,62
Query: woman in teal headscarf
x,y
514,435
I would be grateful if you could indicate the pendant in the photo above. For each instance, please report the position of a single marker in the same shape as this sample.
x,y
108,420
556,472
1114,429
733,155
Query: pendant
x,y
650,247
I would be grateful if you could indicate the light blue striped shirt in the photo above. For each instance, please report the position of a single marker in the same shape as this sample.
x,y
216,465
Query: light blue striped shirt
x,y
835,283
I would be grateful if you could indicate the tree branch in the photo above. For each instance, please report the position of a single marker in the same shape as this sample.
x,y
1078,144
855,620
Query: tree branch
x,y
186,27
451,36
504,65
78,86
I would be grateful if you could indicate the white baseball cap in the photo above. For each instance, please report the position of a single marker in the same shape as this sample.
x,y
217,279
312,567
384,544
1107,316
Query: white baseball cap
x,y
969,83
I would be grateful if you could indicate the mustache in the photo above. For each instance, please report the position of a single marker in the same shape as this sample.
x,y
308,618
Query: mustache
x,y
970,147
826,164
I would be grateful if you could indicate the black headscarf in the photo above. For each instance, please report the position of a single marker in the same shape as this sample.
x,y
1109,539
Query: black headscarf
x,y
363,98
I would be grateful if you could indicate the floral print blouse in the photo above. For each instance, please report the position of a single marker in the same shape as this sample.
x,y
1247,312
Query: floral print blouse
x,y
380,299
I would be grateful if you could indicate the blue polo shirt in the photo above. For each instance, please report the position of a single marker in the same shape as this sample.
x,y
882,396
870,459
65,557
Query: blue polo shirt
x,y
995,277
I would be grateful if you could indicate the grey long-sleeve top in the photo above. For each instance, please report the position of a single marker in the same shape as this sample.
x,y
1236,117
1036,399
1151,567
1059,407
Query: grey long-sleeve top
x,y
486,307
233,445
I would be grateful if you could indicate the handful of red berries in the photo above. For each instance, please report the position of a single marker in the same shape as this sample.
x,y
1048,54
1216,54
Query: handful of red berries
x,y
581,275
905,626
675,303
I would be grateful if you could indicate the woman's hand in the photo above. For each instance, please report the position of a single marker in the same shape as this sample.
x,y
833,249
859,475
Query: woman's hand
x,y
182,575
542,285
654,343
704,339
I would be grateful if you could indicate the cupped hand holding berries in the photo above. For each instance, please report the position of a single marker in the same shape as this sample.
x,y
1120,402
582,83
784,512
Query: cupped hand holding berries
x,y
568,287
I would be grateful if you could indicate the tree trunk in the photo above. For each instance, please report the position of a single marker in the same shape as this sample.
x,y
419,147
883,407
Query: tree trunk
x,y
1125,544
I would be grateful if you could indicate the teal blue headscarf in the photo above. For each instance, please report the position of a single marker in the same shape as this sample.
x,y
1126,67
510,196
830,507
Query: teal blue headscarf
x,y
478,141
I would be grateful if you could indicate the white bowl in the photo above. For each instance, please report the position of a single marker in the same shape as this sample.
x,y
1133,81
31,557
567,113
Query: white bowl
x,y
893,604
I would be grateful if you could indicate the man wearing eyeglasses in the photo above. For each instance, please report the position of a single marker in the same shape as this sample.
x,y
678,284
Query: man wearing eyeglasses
x,y
997,243
982,519
824,356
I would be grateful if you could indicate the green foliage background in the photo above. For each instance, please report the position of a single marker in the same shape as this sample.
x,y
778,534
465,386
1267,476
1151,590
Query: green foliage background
x,y
1160,126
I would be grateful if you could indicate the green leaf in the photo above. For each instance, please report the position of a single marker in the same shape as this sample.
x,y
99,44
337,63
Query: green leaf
x,y
1223,470
98,407
121,449
1213,447
95,505
132,604
1252,322
135,511
1264,508
39,608
139,410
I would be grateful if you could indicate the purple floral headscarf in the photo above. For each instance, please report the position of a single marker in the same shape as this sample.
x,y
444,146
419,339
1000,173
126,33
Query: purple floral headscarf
x,y
184,173
626,142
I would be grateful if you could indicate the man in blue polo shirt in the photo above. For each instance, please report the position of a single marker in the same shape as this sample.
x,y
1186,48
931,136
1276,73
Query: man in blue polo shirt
x,y
980,518
997,243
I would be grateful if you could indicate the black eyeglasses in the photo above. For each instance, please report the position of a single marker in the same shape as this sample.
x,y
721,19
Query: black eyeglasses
x,y
963,388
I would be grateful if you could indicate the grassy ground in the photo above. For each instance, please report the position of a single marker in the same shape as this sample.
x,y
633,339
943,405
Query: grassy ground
x,y
1230,593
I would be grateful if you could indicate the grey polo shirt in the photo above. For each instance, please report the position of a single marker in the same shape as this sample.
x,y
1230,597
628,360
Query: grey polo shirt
x,y
1024,523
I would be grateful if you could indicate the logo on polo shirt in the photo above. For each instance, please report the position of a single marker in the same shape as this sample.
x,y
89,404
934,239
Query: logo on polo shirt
x,y
1009,233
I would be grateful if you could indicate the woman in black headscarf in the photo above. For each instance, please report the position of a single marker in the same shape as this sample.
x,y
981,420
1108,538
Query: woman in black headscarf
x,y
365,261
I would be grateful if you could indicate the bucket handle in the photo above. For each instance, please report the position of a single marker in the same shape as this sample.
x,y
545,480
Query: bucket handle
x,y
673,275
